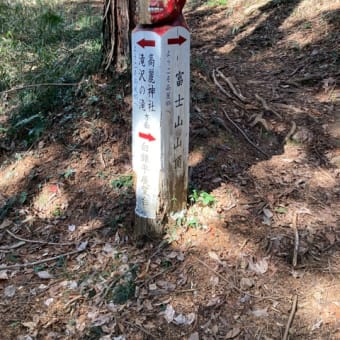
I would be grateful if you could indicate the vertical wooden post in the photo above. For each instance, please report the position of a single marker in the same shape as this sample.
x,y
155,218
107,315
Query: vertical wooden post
x,y
160,131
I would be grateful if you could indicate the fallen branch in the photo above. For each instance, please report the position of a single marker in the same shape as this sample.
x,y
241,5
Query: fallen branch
x,y
296,240
30,264
19,88
232,87
291,317
244,135
38,241
13,246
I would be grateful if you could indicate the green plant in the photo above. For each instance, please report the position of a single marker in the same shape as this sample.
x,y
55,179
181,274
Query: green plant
x,y
123,181
307,25
57,212
193,222
281,210
202,197
69,173
217,3
165,263
124,292
15,324
41,42
22,197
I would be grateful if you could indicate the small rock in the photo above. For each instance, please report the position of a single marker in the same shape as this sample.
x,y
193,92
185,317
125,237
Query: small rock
x,y
10,291
246,283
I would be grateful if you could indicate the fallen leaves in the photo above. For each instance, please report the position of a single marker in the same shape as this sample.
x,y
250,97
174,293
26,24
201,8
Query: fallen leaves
x,y
45,275
3,275
259,267
171,316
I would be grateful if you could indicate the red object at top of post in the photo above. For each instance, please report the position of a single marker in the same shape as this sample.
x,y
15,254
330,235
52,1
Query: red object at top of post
x,y
153,12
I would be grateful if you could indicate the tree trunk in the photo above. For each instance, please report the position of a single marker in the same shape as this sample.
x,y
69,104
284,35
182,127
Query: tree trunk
x,y
118,23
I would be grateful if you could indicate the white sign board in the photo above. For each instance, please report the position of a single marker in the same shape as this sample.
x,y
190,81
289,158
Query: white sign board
x,y
160,124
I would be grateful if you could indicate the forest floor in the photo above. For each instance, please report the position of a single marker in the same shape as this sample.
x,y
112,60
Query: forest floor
x,y
257,253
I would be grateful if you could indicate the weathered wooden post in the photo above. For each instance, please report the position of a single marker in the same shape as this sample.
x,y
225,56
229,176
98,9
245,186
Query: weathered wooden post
x,y
160,124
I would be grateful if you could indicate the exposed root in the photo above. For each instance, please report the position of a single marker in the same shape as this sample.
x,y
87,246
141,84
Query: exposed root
x,y
258,119
266,106
291,131
236,93
245,135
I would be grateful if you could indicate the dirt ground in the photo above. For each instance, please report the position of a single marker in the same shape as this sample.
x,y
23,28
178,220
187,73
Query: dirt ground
x,y
262,260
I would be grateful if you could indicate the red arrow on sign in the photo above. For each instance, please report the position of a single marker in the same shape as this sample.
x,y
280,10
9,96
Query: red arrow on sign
x,y
143,43
147,136
176,41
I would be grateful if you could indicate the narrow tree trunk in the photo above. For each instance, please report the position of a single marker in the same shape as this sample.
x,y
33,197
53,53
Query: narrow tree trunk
x,y
118,22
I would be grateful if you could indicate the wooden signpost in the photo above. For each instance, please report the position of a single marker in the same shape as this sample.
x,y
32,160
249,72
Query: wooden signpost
x,y
160,124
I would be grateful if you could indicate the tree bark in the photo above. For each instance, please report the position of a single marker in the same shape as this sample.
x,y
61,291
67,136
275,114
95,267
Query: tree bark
x,y
118,22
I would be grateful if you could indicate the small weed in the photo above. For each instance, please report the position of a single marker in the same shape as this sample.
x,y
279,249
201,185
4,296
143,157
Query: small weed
x,y
235,30
39,268
15,324
213,3
57,212
12,258
22,197
94,333
115,222
202,197
307,25
165,263
193,223
101,175
123,181
91,293
61,262
281,210
69,173
124,292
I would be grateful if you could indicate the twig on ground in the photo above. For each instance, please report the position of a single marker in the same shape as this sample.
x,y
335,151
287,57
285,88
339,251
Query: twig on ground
x,y
244,135
78,297
101,159
232,87
141,329
295,71
13,246
30,264
38,241
145,282
266,106
296,240
291,131
291,317
183,291
19,88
